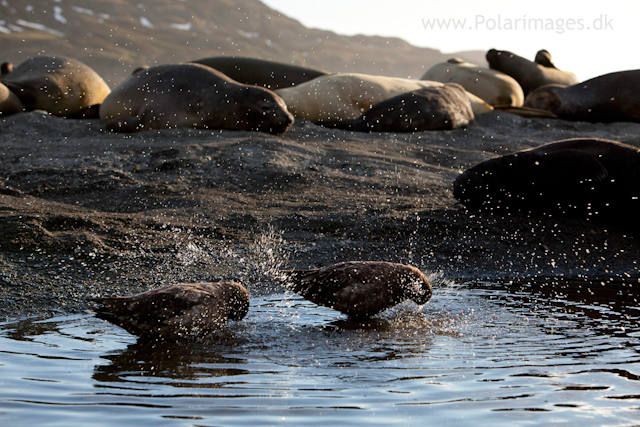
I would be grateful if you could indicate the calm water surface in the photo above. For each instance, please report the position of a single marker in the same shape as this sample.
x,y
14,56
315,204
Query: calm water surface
x,y
482,354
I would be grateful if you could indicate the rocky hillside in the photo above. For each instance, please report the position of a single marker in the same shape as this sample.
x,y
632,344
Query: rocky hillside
x,y
112,36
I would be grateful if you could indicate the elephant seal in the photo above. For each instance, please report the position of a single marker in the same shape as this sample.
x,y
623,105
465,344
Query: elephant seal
x,y
582,177
360,289
192,95
61,86
492,86
608,98
9,102
431,108
530,75
183,310
259,72
347,96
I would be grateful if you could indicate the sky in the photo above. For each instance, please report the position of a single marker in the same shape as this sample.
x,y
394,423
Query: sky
x,y
589,40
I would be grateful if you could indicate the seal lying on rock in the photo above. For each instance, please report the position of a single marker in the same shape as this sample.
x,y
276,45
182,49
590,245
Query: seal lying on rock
x,y
492,86
583,177
431,108
530,75
347,96
259,72
62,86
192,95
360,289
609,98
175,311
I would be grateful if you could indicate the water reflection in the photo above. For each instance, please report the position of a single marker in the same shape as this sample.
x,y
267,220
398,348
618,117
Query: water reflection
x,y
170,361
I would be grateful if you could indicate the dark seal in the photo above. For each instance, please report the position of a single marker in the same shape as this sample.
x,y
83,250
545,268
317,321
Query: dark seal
x,y
581,177
259,72
609,98
192,95
530,75
176,311
360,289
430,108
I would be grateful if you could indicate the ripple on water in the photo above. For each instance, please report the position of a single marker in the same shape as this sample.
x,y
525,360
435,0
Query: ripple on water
x,y
490,353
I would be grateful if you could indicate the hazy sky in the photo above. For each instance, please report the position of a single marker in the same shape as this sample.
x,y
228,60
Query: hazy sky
x,y
588,40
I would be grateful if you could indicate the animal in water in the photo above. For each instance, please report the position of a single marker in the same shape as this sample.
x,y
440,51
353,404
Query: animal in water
x,y
431,108
579,177
494,87
60,85
347,96
9,102
259,72
608,98
360,289
176,311
192,95
530,75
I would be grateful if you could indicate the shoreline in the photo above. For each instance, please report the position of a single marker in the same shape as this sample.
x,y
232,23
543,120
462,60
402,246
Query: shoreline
x,y
85,212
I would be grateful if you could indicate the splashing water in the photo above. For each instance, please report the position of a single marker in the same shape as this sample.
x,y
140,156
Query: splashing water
x,y
267,255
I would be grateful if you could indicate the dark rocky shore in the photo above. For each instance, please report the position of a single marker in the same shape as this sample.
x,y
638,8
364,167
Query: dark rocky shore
x,y
85,212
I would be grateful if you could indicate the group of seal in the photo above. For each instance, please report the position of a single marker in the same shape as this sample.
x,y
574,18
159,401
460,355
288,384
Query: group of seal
x,y
359,289
181,95
579,177
530,75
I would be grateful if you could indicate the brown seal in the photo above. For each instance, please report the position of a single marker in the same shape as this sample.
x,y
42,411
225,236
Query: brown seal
x,y
492,86
431,108
192,95
583,177
259,72
609,98
9,102
182,310
360,289
59,85
530,75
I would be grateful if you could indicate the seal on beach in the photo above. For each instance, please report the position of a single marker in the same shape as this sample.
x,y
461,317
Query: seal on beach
x,y
431,108
192,95
608,98
494,87
347,96
177,311
61,86
9,102
259,72
360,289
530,75
581,177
